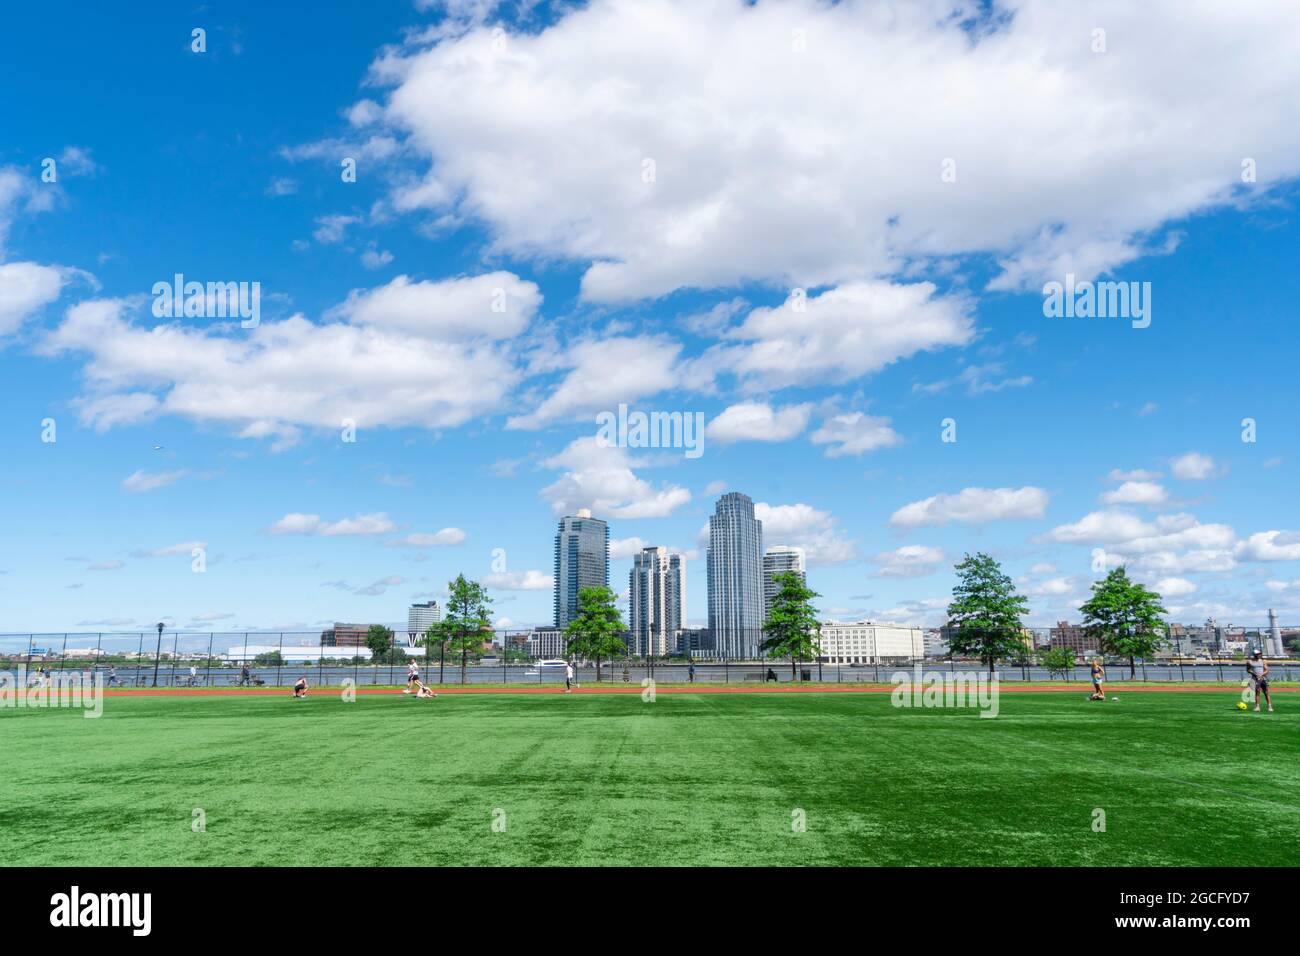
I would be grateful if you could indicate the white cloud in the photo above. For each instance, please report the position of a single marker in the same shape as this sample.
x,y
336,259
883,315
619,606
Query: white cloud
x,y
273,379
496,305
520,581
446,536
758,421
978,380
1136,493
1174,587
147,481
605,373
1271,546
911,560
817,532
820,166
854,433
1193,467
185,547
973,506
842,334
601,478
26,287
331,229
376,258
366,524
1138,474
622,548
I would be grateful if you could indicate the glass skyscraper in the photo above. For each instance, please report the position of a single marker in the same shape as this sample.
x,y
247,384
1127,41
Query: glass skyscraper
x,y
581,561
656,601
735,576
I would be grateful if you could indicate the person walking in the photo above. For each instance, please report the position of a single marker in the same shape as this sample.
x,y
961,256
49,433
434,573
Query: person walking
x,y
1257,670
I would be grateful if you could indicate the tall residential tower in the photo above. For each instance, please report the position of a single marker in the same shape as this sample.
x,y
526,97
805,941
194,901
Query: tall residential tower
x,y
779,560
735,576
581,561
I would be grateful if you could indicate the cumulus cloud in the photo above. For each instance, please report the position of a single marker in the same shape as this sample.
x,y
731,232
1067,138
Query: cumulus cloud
x,y
142,480
1136,493
601,478
758,421
272,380
1193,467
519,581
973,506
25,288
911,560
365,524
807,165
854,433
1271,546
800,525
604,373
446,536
1137,474
842,334
496,305
621,548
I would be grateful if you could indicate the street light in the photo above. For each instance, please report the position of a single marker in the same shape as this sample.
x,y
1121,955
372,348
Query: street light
x,y
157,654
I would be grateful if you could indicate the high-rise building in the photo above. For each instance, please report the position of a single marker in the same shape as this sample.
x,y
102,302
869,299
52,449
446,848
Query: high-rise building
x,y
735,577
1275,648
656,601
779,560
581,561
420,618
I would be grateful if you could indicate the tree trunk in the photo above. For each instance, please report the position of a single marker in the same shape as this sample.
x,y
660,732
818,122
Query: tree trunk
x,y
597,668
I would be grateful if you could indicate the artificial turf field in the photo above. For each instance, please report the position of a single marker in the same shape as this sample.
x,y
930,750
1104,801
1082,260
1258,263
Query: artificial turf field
x,y
689,779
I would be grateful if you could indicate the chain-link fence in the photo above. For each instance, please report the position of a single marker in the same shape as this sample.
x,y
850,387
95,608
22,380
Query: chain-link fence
x,y
278,659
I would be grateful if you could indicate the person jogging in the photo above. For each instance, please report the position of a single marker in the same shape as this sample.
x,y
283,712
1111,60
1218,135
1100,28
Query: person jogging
x,y
412,677
1257,669
568,677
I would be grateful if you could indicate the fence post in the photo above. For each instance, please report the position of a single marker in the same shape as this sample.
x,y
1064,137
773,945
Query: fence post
x,y
99,644
176,639
138,651
64,653
244,659
207,676
442,659
279,659
320,663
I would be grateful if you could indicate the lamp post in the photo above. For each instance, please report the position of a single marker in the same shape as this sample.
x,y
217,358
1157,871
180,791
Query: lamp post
x,y
157,654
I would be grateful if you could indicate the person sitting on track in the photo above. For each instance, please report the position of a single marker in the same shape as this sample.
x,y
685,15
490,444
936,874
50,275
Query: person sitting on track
x,y
422,691
300,687
1257,669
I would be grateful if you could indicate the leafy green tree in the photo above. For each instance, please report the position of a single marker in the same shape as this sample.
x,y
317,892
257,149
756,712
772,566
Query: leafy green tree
x,y
380,641
1056,660
269,659
597,632
792,629
1125,617
985,612
466,623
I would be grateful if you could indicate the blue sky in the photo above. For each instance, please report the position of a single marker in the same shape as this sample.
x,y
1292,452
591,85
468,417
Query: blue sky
x,y
643,185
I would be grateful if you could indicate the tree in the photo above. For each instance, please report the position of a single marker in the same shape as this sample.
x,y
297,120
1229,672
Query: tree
x,y
791,629
985,612
1057,660
1125,617
597,631
466,623
380,641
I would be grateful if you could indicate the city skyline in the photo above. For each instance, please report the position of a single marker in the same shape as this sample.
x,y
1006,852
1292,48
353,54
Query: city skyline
x,y
421,364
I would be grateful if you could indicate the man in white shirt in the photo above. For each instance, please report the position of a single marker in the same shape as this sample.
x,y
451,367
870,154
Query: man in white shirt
x,y
412,676
568,677
1257,668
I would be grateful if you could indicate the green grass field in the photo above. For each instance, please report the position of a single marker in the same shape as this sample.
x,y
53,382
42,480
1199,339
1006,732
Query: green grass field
x,y
1183,778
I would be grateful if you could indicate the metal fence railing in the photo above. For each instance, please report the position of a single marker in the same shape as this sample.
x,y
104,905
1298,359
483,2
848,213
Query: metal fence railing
x,y
181,659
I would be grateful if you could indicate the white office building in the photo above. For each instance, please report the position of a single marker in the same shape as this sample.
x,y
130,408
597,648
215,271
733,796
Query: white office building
x,y
866,642
420,618
780,559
